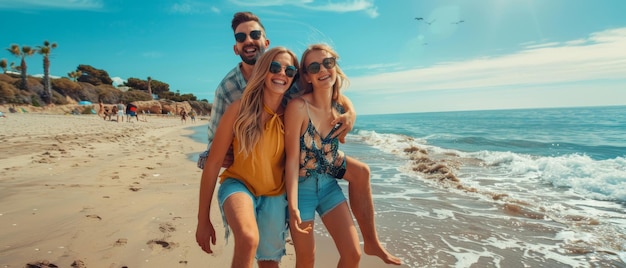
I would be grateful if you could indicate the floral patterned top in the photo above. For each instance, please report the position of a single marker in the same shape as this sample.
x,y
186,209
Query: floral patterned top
x,y
320,155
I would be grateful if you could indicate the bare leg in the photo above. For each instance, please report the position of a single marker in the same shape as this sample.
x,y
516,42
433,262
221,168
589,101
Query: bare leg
x,y
267,264
339,224
360,193
304,245
240,217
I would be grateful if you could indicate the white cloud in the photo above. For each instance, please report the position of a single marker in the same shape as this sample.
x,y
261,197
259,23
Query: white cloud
x,y
344,6
118,81
47,4
552,44
181,8
348,6
601,57
376,66
193,7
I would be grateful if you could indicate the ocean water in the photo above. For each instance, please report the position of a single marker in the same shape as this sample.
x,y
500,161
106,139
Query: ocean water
x,y
501,188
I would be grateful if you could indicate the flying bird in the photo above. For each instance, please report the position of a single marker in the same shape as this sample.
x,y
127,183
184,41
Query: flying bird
x,y
422,19
458,22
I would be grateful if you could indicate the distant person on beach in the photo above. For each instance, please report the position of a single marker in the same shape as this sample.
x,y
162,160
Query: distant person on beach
x,y
183,116
113,112
131,110
120,111
107,113
251,195
192,115
250,43
100,108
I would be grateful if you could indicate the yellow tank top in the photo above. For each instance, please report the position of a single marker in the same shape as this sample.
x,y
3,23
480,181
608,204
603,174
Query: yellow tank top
x,y
263,170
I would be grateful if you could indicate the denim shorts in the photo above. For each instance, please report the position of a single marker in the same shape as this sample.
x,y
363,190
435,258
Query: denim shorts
x,y
271,217
319,192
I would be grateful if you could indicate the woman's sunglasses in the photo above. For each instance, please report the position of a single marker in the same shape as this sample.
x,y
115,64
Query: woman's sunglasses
x,y
314,67
255,35
290,70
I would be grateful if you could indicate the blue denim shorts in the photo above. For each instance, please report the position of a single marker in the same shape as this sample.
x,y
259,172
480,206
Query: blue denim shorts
x,y
271,217
319,192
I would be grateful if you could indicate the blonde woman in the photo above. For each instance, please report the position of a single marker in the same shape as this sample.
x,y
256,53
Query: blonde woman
x,y
314,161
251,195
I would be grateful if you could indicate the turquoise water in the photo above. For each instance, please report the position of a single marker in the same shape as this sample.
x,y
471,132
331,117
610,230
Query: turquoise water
x,y
597,131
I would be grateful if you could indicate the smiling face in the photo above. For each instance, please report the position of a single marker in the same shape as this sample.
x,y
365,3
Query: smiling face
x,y
325,78
250,49
280,82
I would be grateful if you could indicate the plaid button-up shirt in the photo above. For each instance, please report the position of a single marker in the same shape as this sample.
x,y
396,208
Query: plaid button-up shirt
x,y
230,89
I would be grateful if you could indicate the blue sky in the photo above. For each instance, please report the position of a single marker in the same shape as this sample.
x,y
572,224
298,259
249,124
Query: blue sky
x,y
505,54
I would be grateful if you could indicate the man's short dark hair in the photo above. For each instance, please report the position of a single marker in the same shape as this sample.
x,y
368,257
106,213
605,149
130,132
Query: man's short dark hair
x,y
241,17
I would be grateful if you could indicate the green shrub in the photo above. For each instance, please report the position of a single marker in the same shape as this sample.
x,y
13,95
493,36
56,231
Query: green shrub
x,y
35,101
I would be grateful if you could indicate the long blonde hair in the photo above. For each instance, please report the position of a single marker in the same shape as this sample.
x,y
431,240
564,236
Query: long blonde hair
x,y
247,127
342,80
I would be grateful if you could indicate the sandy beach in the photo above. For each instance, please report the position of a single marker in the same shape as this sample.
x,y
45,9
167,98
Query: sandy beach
x,y
78,191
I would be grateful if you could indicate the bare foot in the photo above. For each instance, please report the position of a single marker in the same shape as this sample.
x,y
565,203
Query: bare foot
x,y
379,251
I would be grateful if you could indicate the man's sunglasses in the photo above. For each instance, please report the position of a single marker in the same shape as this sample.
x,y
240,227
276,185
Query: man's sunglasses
x,y
314,67
255,35
290,70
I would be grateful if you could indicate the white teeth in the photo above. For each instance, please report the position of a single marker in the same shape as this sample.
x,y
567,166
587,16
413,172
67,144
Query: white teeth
x,y
278,82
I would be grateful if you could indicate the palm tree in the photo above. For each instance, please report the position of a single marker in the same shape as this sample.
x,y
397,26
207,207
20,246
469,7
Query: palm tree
x,y
75,75
25,51
4,65
149,88
45,50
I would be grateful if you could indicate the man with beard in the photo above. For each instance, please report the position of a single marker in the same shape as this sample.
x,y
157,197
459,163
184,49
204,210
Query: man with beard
x,y
251,42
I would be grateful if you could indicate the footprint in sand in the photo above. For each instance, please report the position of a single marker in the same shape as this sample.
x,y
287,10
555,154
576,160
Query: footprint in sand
x,y
120,242
41,264
78,264
134,188
167,227
161,244
93,216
